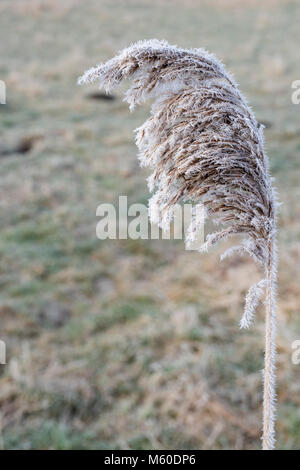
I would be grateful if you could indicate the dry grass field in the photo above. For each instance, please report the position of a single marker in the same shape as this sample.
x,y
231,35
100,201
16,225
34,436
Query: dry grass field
x,y
133,344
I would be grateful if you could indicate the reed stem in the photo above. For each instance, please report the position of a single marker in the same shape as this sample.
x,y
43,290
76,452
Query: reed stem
x,y
270,354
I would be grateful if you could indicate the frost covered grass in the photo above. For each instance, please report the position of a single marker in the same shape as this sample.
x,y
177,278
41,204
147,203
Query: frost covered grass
x,y
204,145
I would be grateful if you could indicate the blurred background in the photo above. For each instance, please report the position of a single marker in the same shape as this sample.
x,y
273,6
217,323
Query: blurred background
x,y
133,344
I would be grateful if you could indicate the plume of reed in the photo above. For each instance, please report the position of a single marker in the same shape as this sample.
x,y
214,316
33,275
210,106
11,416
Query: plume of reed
x,y
204,145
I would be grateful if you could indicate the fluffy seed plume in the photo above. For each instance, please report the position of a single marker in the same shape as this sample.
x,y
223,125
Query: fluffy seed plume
x,y
204,145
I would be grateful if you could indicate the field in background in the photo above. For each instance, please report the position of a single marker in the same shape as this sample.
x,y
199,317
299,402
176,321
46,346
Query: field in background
x,y
132,344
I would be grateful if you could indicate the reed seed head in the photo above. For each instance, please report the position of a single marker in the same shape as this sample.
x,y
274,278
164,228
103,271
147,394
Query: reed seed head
x,y
202,143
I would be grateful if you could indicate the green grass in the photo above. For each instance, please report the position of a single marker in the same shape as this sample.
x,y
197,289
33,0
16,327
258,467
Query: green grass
x,y
52,435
